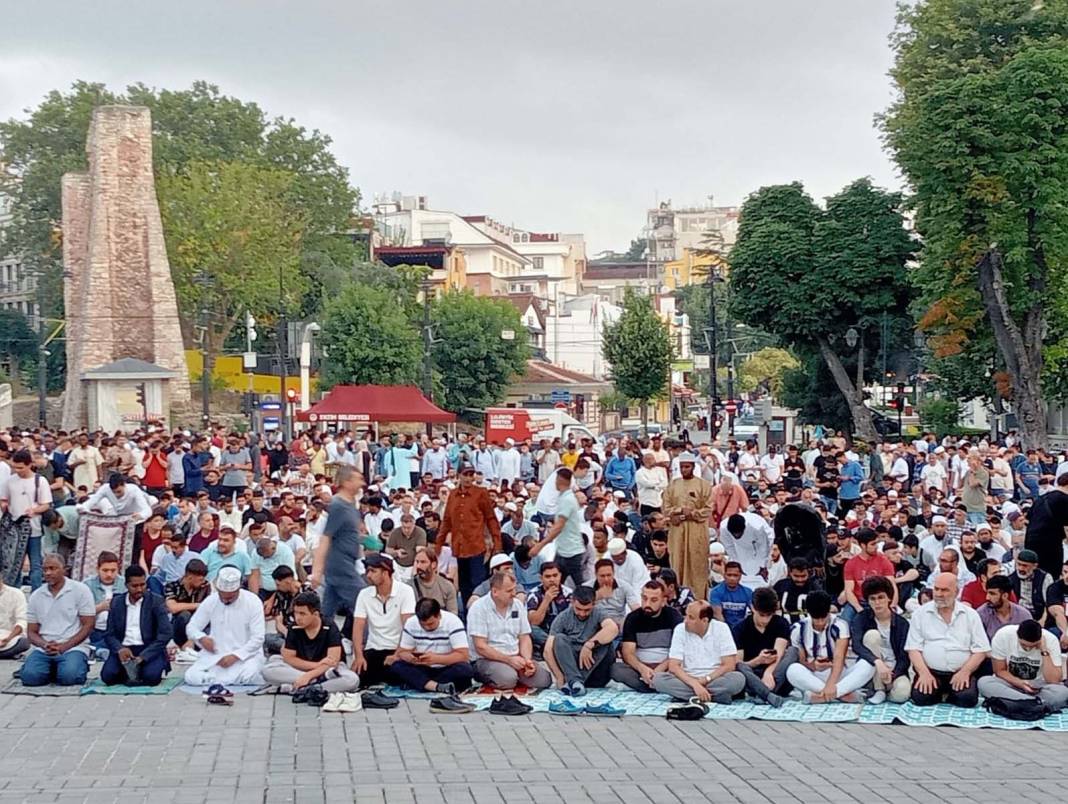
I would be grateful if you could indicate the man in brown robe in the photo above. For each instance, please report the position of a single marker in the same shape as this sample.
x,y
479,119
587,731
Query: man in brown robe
x,y
687,505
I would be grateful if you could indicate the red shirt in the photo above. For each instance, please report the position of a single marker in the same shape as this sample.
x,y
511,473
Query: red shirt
x,y
155,471
860,567
974,594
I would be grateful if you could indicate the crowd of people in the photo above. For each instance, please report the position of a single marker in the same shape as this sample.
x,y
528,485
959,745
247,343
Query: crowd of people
x,y
927,571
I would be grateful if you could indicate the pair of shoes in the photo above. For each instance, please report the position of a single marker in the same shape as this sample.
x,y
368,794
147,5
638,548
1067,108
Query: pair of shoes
x,y
565,708
220,700
378,700
774,701
509,705
447,688
313,695
219,690
605,710
877,697
451,705
186,656
343,702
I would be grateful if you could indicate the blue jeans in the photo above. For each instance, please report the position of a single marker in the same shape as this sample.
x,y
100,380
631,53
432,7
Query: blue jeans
x,y
33,550
471,571
831,503
976,517
338,598
67,669
155,583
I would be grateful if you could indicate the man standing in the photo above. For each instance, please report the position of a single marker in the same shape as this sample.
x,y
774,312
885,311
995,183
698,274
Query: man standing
x,y
137,636
507,463
976,481
235,463
687,502
25,496
334,564
1027,666
651,481
468,515
1047,524
60,617
946,645
701,659
566,530
233,651
579,649
85,460
619,471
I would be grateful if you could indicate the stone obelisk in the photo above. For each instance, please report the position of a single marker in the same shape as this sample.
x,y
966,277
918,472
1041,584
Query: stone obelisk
x,y
118,292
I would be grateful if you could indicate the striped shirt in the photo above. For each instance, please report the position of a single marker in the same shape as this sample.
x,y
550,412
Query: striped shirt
x,y
447,637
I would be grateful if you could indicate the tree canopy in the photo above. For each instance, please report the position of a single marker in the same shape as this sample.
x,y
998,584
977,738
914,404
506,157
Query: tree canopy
x,y
980,130
638,349
810,275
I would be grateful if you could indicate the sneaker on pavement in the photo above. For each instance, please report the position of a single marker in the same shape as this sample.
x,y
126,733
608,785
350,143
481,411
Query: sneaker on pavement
x,y
877,697
509,705
565,708
447,688
350,702
186,656
450,705
333,702
376,700
519,706
605,710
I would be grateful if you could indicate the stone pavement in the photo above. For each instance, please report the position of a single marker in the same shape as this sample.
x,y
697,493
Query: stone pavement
x,y
176,748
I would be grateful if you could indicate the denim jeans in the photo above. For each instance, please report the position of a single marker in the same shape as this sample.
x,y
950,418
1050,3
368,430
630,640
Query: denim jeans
x,y
66,669
33,550
471,572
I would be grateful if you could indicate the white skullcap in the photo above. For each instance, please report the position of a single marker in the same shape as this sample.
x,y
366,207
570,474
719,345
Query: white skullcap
x,y
616,546
228,579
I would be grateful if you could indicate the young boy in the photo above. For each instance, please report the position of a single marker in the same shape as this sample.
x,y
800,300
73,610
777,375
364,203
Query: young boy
x,y
764,652
822,671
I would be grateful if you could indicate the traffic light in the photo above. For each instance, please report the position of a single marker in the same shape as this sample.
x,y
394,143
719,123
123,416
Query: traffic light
x,y
250,328
141,394
291,395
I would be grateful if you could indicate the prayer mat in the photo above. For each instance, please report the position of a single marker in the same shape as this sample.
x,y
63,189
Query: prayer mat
x,y
97,533
48,691
14,536
98,687
946,715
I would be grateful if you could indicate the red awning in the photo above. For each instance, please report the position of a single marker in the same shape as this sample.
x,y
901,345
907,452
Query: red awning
x,y
375,403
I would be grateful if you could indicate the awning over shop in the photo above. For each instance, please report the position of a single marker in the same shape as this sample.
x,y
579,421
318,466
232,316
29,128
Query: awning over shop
x,y
375,403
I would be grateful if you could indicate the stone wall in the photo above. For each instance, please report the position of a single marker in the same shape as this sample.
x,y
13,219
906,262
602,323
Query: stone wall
x,y
120,299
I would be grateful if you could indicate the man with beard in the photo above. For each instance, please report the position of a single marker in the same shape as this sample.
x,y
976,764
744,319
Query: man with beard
x,y
687,503
646,639
429,583
794,588
229,629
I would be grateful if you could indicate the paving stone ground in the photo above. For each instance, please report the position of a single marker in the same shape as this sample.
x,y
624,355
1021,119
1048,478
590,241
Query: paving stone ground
x,y
176,748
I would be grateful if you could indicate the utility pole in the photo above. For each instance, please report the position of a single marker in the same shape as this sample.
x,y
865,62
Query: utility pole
x,y
283,355
713,361
42,354
205,373
428,342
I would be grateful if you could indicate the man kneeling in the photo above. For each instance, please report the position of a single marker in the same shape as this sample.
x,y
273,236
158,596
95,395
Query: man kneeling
x,y
579,650
312,652
137,635
701,659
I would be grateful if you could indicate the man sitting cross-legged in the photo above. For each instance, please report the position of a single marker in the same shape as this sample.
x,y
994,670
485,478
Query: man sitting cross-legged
x,y
823,671
60,617
500,636
312,653
233,652
579,650
433,653
764,650
646,638
183,598
137,636
1027,665
701,660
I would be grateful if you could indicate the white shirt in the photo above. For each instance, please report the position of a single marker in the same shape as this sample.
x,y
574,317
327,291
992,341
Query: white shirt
x,y
133,623
447,637
508,464
701,655
133,501
651,484
900,470
237,628
12,613
752,550
934,476
632,571
384,616
23,493
548,497
772,466
946,646
501,631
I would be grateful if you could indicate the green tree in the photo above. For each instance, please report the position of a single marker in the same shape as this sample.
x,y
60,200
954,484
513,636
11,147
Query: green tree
x,y
636,251
473,362
940,415
193,126
805,389
979,130
820,278
368,340
638,349
765,369
234,244
18,345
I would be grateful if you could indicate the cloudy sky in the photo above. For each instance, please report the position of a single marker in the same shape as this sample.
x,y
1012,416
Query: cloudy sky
x,y
572,115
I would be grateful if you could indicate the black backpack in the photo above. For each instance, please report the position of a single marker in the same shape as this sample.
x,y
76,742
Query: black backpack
x,y
1029,710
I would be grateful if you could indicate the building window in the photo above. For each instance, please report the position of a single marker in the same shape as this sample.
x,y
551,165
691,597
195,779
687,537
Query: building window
x,y
539,263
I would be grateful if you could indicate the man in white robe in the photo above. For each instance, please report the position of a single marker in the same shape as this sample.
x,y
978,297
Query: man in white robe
x,y
232,653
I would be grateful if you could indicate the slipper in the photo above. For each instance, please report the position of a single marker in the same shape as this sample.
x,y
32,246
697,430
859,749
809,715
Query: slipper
x,y
220,700
217,689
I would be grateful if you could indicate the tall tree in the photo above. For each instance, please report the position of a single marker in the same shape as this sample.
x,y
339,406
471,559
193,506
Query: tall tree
x,y
473,360
980,131
765,369
638,349
821,278
367,339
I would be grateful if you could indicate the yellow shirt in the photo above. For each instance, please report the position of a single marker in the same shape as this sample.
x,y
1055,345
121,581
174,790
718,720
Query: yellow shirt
x,y
569,459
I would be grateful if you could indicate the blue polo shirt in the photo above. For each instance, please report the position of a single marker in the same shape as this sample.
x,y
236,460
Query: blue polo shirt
x,y
735,602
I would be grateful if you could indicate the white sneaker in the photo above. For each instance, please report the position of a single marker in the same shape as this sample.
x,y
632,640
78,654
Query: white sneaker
x,y
877,697
186,656
334,703
351,702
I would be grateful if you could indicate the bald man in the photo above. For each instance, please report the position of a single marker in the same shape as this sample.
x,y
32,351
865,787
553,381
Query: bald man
x,y
946,645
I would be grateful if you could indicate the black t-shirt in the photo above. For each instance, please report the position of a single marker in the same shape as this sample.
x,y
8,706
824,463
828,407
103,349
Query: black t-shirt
x,y
792,597
1045,530
827,472
750,641
793,472
1057,594
973,563
834,577
313,650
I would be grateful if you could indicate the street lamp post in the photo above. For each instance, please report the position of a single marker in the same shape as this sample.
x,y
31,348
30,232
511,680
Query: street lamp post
x,y
713,361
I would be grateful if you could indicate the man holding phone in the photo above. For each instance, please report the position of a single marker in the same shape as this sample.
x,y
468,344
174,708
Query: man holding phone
x,y
764,650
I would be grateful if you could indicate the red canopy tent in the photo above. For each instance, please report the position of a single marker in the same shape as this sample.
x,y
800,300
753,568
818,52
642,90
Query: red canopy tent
x,y
375,403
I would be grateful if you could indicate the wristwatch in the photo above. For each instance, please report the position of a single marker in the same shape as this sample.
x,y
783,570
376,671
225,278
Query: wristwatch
x,y
1045,653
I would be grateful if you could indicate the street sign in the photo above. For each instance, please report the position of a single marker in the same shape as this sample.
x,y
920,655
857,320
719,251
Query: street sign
x,y
271,423
266,406
248,361
560,395
560,406
731,408
700,361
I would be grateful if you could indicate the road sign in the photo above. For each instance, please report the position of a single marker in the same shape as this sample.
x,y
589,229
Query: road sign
x,y
559,395
731,408
560,406
248,361
700,361
266,406
271,423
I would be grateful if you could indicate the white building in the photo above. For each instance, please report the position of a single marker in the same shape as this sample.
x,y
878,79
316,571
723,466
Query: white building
x,y
573,334
557,260
18,285
672,231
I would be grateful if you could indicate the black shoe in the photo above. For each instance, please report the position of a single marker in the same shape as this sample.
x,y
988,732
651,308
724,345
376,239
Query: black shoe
x,y
450,705
448,688
509,705
376,700
316,696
